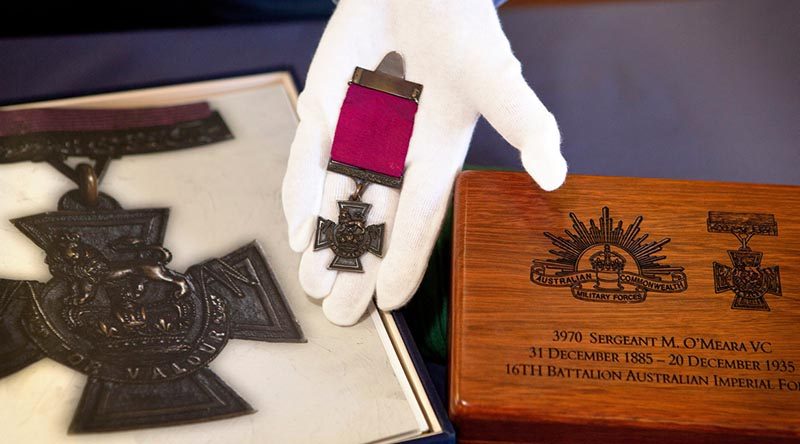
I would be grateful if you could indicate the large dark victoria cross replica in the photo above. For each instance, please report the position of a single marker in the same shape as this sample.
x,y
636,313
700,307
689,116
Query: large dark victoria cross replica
x,y
143,333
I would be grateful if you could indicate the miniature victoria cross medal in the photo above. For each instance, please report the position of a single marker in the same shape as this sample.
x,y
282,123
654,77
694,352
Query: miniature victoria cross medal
x,y
370,146
113,310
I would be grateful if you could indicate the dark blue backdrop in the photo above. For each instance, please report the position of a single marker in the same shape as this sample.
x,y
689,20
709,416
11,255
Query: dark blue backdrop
x,y
700,90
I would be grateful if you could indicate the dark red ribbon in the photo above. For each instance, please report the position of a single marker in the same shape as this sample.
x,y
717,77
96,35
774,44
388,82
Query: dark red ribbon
x,y
43,120
374,131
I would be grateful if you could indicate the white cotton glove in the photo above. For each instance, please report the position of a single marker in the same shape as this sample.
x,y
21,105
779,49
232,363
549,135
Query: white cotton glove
x,y
457,50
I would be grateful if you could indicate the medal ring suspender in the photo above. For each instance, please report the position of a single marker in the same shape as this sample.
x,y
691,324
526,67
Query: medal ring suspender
x,y
370,146
88,184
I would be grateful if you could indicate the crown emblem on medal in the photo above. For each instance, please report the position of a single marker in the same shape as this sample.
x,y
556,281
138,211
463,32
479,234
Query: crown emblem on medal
x,y
129,320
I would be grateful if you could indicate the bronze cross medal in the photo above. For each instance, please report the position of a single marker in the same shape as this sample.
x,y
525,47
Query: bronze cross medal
x,y
749,281
351,237
143,333
375,99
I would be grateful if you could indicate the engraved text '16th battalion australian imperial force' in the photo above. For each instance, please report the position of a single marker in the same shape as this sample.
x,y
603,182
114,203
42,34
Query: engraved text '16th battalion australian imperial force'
x,y
143,333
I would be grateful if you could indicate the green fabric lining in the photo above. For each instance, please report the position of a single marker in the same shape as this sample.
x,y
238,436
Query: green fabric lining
x,y
427,313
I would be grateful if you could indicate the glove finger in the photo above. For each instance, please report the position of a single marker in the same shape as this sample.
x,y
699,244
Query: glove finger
x,y
355,34
522,120
352,292
301,191
423,203
502,95
315,277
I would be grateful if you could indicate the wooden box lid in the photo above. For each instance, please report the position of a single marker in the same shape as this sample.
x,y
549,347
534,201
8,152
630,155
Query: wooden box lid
x,y
625,310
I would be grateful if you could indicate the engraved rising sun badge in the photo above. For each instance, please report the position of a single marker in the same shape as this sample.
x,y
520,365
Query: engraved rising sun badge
x,y
144,334
747,279
606,263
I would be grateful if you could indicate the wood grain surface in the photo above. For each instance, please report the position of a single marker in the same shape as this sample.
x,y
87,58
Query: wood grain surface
x,y
537,363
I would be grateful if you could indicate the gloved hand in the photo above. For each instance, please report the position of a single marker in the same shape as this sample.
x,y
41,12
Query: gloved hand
x,y
457,50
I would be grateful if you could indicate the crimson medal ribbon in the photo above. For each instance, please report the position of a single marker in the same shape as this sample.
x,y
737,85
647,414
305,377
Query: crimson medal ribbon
x,y
370,146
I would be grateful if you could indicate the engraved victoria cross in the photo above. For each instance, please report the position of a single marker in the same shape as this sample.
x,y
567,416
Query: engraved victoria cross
x,y
747,279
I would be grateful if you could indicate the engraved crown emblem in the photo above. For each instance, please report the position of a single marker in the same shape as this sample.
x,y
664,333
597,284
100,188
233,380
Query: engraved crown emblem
x,y
119,294
607,260
122,321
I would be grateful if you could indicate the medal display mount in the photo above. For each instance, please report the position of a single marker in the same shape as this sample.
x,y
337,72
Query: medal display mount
x,y
625,310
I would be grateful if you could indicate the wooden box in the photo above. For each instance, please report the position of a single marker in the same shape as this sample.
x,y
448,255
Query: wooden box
x,y
625,310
